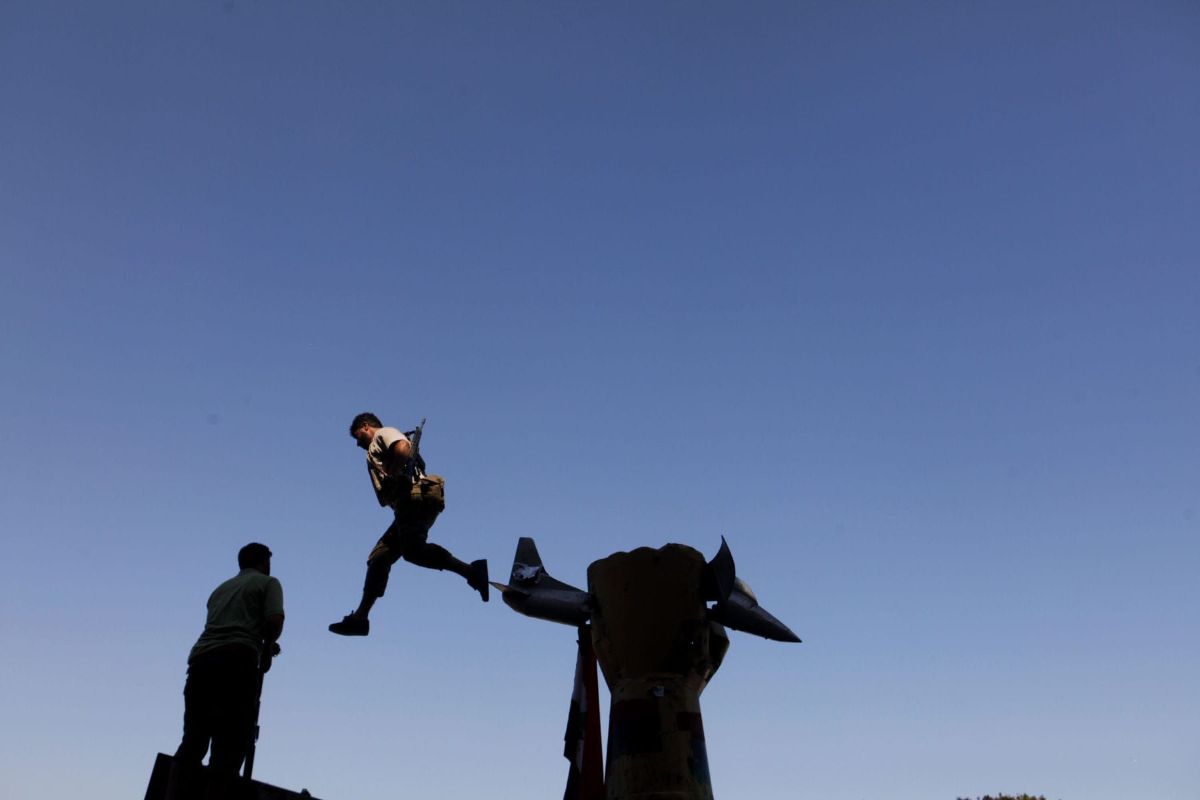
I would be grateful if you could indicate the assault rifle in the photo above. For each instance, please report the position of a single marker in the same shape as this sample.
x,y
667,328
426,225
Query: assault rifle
x,y
414,468
264,664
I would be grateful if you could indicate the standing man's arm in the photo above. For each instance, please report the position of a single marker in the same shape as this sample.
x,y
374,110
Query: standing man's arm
x,y
272,622
274,628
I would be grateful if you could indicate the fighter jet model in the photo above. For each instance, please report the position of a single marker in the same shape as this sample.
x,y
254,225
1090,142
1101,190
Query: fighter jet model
x,y
736,605
533,592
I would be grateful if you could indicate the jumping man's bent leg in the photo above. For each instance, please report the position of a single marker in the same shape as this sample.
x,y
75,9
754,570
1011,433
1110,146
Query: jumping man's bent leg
x,y
413,524
379,565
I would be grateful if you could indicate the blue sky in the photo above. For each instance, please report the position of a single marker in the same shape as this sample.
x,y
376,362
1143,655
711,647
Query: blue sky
x,y
902,299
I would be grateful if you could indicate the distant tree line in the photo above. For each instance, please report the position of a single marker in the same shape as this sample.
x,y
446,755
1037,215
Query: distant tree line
x,y
1007,797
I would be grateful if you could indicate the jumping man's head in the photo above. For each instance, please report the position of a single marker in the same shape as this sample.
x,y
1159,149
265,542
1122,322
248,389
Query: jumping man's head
x,y
363,428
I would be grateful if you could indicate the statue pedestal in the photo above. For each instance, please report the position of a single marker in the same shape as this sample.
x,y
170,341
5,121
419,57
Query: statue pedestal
x,y
657,650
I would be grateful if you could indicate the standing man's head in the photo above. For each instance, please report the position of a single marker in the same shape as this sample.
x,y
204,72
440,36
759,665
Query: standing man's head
x,y
363,428
255,556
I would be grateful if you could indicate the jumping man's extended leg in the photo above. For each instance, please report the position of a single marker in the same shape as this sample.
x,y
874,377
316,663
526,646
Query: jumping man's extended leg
x,y
407,538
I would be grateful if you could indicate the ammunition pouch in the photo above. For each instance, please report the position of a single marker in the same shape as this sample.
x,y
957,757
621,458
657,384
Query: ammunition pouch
x,y
428,491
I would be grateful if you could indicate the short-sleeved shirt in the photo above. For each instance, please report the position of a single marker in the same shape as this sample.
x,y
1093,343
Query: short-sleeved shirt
x,y
238,610
378,460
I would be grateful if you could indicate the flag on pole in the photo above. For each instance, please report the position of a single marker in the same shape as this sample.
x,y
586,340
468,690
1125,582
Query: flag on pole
x,y
585,780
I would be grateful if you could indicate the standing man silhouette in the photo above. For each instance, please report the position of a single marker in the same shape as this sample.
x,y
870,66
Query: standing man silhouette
x,y
245,618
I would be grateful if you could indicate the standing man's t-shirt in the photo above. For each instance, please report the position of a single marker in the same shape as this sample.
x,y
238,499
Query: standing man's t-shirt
x,y
238,611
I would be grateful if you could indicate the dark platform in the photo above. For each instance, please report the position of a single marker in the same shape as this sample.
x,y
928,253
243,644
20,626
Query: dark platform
x,y
246,789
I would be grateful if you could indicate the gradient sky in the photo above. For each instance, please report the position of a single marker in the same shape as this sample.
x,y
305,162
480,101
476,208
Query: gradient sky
x,y
902,299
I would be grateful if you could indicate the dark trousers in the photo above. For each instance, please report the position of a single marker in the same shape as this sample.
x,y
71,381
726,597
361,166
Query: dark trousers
x,y
407,537
219,699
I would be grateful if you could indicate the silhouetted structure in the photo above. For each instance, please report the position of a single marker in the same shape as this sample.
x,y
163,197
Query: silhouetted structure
x,y
242,788
658,643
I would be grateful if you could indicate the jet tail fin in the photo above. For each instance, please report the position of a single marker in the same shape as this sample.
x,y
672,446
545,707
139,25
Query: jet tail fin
x,y
736,605
533,592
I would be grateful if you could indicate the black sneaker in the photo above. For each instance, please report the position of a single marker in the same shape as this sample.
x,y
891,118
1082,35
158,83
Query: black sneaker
x,y
351,626
477,578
